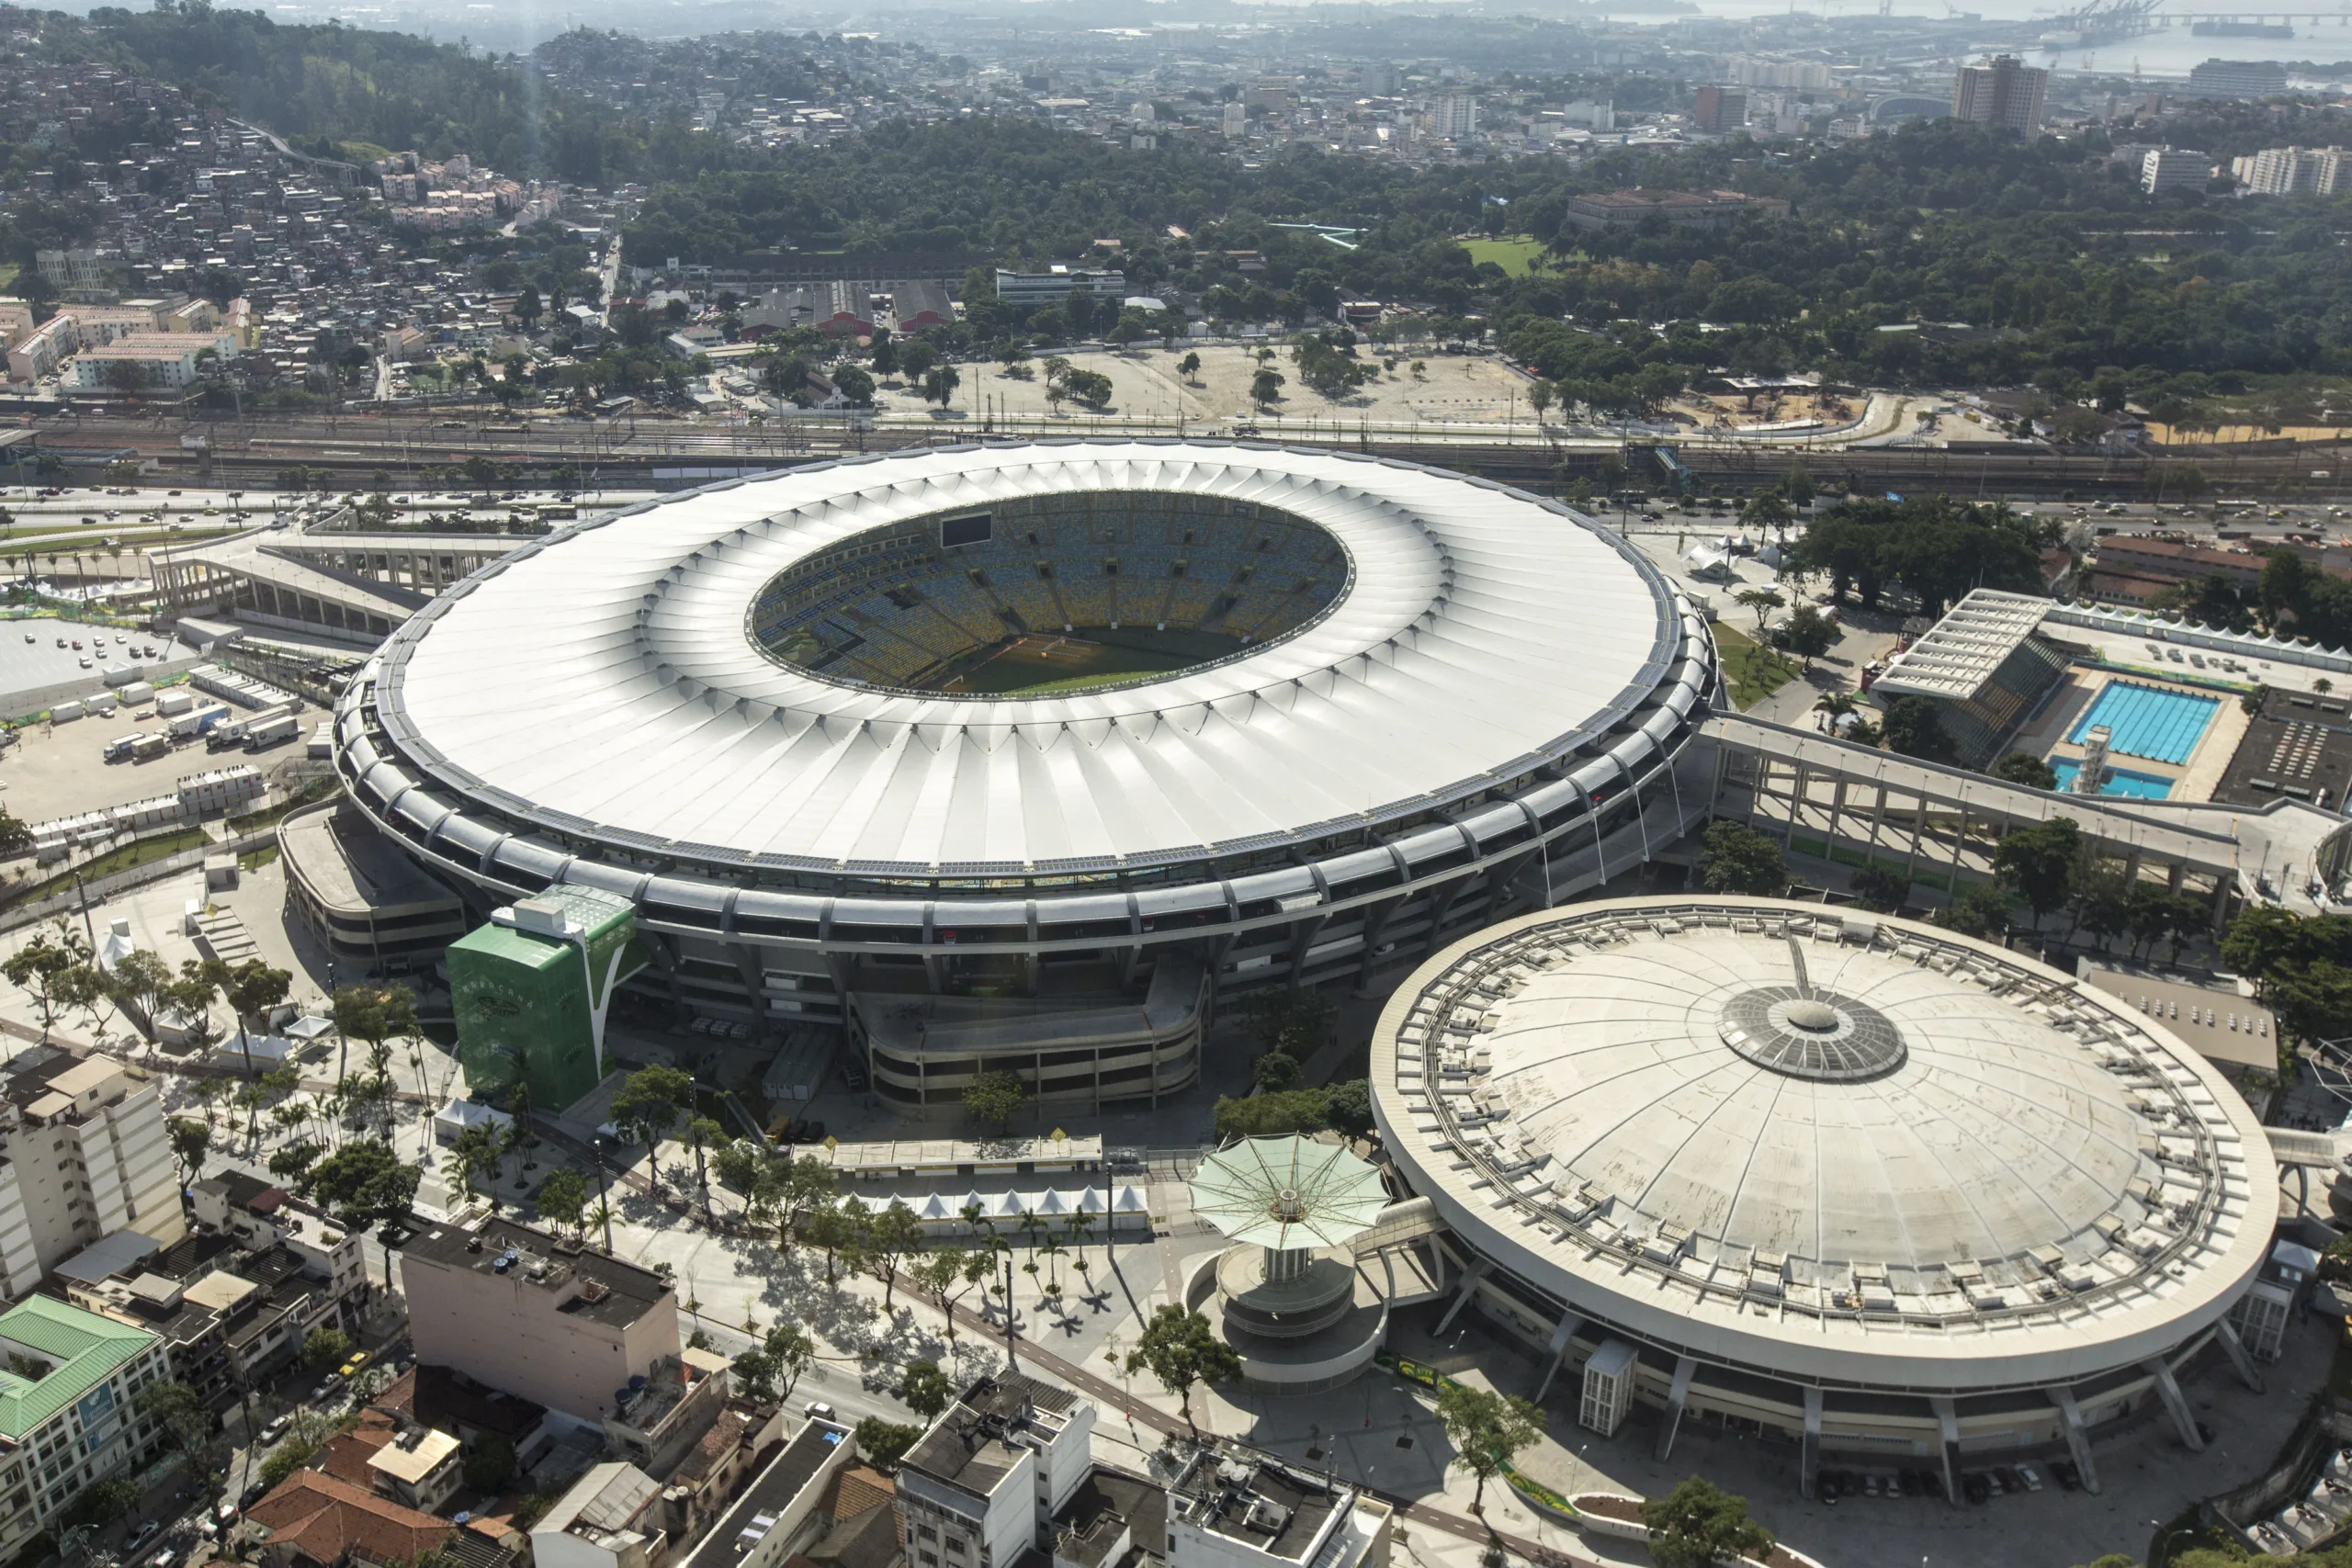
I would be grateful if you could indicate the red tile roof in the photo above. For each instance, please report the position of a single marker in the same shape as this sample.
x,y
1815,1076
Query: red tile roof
x,y
329,1521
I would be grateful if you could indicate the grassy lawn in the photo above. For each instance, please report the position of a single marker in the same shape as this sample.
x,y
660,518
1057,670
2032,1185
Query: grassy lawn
x,y
1516,256
139,853
1756,672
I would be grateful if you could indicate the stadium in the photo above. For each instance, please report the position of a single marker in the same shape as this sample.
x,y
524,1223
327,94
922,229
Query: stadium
x,y
1021,757
1857,1182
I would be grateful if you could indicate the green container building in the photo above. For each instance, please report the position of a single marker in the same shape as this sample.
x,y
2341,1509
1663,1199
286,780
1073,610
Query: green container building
x,y
531,990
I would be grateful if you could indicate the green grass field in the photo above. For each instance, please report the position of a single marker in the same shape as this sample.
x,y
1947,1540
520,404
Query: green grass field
x,y
1092,657
1756,672
1516,256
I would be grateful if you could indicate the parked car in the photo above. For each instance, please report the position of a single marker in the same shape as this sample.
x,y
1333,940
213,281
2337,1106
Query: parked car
x,y
359,1360
276,1427
141,1536
818,1410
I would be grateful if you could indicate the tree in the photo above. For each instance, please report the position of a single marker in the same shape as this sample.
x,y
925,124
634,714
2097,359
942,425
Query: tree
x,y
766,1373
1348,1105
1914,728
702,1133
883,1443
365,1183
489,1464
34,968
1882,888
2038,863
1698,1525
478,1154
2024,768
191,1141
100,1503
1189,368
292,1164
1979,909
252,989
1179,1349
562,1199
1486,1430
174,1407
926,1389
1808,634
1277,1070
1763,600
648,1107
894,1233
1738,859
137,984
914,356
938,1274
939,384
995,1098
372,1013
1266,386
1273,1115
325,1348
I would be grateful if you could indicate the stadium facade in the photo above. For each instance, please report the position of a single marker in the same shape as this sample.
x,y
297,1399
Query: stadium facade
x,y
1855,1181
1021,757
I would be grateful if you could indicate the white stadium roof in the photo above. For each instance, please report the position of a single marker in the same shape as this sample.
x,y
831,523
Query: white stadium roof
x,y
602,683
1849,1149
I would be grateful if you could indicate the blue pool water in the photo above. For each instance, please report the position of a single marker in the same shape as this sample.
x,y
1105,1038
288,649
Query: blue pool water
x,y
2119,781
2148,721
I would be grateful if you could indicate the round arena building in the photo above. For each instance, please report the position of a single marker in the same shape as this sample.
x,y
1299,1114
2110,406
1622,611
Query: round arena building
x,y
1019,756
1858,1181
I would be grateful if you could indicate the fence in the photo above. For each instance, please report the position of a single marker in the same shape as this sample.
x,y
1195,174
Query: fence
x,y
98,890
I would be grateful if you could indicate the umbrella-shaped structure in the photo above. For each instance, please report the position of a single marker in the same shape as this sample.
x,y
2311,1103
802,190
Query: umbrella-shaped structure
x,y
1289,1196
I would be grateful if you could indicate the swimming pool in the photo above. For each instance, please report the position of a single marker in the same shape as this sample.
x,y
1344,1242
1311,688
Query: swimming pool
x,y
2119,781
2148,721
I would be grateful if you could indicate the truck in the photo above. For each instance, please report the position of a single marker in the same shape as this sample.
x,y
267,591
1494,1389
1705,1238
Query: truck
x,y
121,746
227,733
150,746
262,734
196,721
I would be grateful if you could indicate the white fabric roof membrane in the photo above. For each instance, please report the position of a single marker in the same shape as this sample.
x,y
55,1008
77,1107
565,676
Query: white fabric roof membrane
x,y
1288,1192
607,674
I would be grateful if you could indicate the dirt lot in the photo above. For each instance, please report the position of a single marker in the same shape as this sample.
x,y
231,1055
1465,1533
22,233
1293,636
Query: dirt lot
x,y
1146,386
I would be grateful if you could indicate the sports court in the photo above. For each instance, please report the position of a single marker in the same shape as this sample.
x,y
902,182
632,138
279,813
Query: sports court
x,y
2154,722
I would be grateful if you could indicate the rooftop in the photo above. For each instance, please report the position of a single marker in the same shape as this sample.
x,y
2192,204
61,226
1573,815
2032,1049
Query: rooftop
x,y
437,1396
1109,1508
967,1447
327,1521
602,1505
1750,1116
591,1284
1266,1508
81,1349
1961,652
770,1494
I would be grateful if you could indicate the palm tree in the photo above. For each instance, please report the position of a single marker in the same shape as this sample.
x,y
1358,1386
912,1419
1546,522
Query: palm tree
x,y
1836,705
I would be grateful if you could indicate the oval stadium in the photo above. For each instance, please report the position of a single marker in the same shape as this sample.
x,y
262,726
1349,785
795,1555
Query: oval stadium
x,y
1024,756
1854,1182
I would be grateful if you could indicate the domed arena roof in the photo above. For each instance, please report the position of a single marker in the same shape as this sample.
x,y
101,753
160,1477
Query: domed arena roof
x,y
1821,1142
1049,655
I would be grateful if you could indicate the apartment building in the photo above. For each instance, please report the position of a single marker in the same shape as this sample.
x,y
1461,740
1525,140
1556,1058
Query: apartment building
x,y
144,361
69,1384
258,1216
561,1325
2295,171
36,355
983,1485
780,1513
86,1154
1056,283
2003,92
1227,1511
1720,110
2173,168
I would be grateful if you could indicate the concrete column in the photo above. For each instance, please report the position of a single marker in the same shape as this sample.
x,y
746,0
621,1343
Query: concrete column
x,y
1948,1420
2234,1347
1470,1277
1675,1400
1797,784
1558,1352
1809,1456
2078,1443
2175,1403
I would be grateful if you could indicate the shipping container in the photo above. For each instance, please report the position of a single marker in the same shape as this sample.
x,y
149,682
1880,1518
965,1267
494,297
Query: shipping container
x,y
170,703
65,712
139,693
103,704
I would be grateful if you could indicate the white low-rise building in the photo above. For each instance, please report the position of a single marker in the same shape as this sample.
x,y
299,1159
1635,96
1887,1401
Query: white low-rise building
x,y
145,361
87,1154
983,1485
